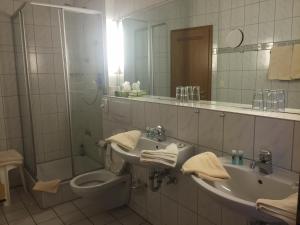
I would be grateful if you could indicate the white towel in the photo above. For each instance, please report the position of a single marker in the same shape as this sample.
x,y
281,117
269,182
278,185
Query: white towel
x,y
113,162
167,156
296,62
280,63
285,209
127,140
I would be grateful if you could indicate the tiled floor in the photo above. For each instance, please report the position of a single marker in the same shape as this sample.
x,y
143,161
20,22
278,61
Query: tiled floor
x,y
25,211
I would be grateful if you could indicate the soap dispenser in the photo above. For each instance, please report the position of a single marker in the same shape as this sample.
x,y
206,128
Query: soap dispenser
x,y
234,157
241,157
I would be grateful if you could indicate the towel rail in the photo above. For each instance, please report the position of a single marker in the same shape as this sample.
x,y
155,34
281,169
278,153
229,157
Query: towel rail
x,y
255,47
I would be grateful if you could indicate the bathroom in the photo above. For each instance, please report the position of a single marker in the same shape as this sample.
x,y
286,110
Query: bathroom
x,y
65,68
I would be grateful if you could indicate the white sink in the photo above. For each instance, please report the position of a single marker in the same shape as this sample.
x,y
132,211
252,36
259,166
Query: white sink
x,y
133,157
246,186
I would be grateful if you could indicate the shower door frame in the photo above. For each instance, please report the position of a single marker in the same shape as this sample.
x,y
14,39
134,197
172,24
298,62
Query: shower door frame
x,y
66,74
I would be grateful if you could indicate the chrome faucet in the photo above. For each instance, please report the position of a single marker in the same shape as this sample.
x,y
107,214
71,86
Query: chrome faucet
x,y
265,162
157,133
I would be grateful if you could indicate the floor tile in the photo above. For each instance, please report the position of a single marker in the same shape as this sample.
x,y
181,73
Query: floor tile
x,y
121,212
83,222
44,216
72,217
132,219
65,208
24,221
54,221
16,215
102,219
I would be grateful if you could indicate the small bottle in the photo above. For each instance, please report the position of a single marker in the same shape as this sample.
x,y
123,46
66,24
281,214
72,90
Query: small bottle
x,y
241,157
234,157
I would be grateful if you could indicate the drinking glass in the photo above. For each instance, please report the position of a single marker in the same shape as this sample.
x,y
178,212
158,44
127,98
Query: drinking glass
x,y
189,90
258,102
280,94
274,101
196,93
266,93
178,93
184,94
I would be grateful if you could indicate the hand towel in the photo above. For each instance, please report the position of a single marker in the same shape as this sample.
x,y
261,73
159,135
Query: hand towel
x,y
296,62
206,166
113,162
10,157
167,156
127,140
285,209
280,63
47,186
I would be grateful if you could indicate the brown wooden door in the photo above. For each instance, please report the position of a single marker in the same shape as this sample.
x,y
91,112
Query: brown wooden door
x,y
191,58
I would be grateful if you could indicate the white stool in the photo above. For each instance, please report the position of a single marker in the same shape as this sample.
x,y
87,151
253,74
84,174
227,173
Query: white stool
x,y
14,160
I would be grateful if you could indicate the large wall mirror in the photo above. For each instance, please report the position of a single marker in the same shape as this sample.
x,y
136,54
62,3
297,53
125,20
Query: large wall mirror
x,y
223,49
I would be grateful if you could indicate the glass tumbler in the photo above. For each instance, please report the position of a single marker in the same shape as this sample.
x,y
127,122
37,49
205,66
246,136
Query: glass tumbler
x,y
184,94
258,102
280,94
196,93
178,93
189,90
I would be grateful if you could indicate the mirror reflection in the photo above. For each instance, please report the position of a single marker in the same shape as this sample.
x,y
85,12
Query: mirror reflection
x,y
225,52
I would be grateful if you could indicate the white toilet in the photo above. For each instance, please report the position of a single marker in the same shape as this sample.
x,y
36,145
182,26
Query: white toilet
x,y
105,184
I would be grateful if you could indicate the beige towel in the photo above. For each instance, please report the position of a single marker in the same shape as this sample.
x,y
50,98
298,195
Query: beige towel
x,y
127,140
47,186
113,162
296,62
280,63
207,166
10,157
285,209
167,156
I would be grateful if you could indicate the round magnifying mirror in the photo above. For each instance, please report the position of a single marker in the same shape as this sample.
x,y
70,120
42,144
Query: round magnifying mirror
x,y
235,38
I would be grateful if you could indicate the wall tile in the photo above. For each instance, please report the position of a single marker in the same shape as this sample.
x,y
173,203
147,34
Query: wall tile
x,y
138,114
188,124
239,133
296,150
229,217
120,110
169,211
187,192
169,119
210,129
275,136
267,11
152,114
251,14
209,208
284,9
186,217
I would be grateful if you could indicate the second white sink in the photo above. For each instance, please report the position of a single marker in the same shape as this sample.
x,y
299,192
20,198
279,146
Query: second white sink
x,y
133,157
246,186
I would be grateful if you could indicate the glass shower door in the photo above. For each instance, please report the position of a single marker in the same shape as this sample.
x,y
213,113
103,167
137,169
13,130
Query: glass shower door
x,y
85,69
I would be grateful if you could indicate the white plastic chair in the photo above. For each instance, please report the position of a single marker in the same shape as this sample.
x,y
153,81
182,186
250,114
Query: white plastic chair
x,y
5,167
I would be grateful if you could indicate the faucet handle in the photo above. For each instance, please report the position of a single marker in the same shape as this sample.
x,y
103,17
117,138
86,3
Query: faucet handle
x,y
265,156
160,129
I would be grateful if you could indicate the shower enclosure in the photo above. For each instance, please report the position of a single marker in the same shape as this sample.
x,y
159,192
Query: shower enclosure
x,y
60,71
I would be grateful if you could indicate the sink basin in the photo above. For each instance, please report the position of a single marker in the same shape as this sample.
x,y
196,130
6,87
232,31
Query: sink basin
x,y
246,186
133,157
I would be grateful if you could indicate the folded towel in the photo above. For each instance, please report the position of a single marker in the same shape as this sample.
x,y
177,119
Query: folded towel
x,y
296,62
47,186
127,140
113,162
206,166
167,156
10,157
285,209
280,63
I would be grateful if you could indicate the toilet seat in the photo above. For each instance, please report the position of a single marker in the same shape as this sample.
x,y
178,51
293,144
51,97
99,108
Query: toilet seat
x,y
96,182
